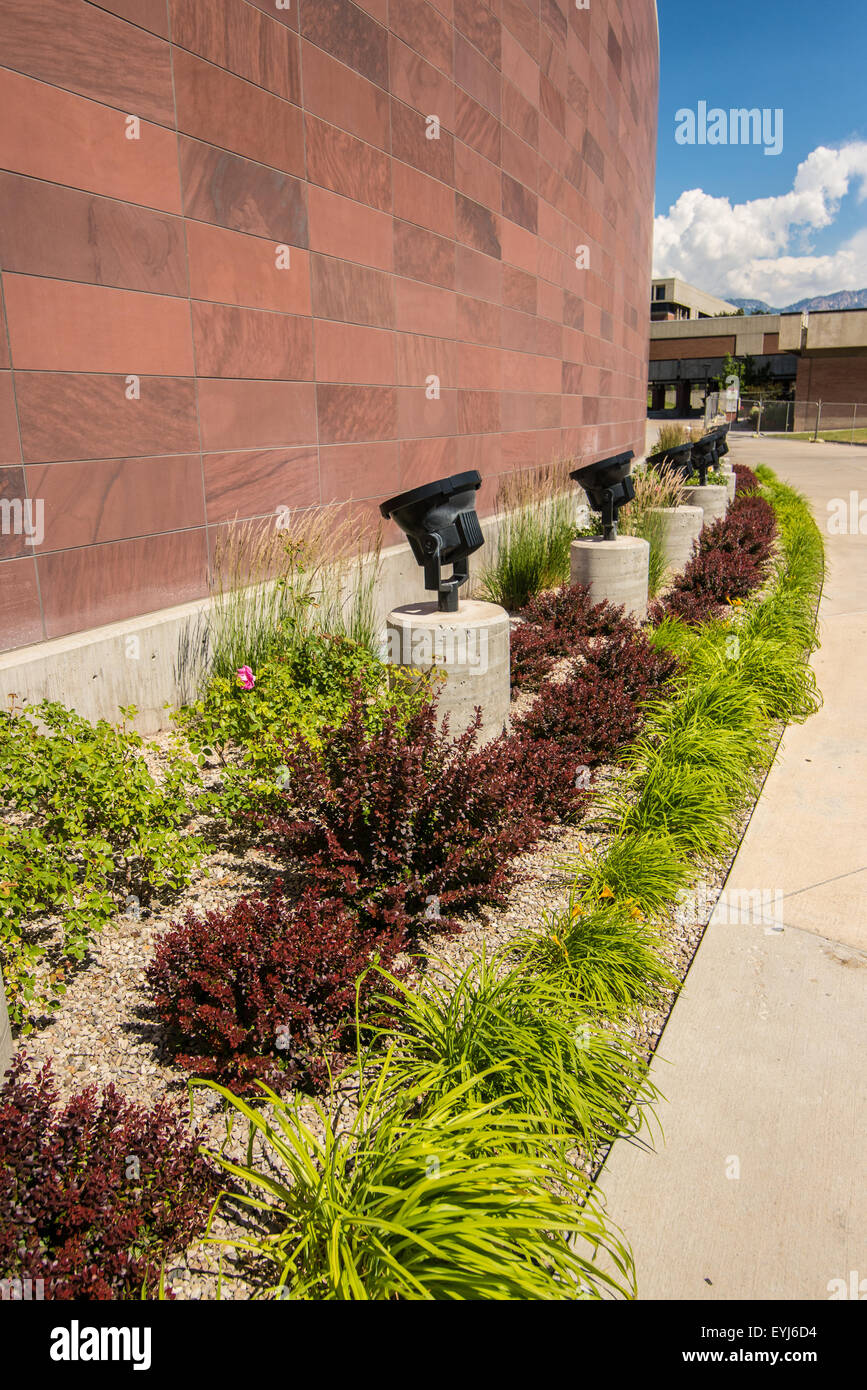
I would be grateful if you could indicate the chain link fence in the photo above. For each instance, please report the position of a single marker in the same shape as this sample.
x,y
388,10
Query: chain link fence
x,y
843,422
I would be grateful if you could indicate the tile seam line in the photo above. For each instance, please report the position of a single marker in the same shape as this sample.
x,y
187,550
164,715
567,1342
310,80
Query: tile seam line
x,y
131,22
94,193
310,444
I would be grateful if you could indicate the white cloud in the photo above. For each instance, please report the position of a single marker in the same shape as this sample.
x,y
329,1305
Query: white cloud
x,y
751,250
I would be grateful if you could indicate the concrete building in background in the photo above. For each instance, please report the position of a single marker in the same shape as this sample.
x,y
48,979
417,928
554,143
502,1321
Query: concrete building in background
x,y
675,299
688,356
248,266
821,356
831,349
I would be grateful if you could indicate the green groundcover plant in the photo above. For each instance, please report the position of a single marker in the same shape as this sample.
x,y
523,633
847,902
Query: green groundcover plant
x,y
84,830
300,691
302,687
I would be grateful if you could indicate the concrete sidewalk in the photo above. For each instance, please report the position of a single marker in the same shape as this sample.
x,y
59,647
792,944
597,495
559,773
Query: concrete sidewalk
x,y
757,1190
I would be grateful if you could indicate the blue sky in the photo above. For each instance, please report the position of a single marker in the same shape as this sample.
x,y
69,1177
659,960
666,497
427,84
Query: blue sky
x,y
759,228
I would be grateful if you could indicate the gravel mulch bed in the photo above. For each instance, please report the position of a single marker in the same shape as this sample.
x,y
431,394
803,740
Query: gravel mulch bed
x,y
107,1031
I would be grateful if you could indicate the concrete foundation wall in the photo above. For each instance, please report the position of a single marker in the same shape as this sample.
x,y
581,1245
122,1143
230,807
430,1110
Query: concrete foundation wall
x,y
158,659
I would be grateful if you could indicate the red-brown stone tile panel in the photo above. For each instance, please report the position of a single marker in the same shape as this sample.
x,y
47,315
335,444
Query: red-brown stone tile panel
x,y
256,257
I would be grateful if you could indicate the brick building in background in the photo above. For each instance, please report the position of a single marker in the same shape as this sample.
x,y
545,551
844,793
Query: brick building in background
x,y
820,356
232,257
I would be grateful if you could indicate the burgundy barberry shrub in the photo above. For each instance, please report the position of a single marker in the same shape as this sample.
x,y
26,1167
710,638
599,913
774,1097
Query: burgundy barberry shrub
x,y
628,657
690,606
554,774
586,721
555,623
748,527
96,1194
267,989
530,656
401,815
596,711
745,479
722,574
753,523
729,561
568,615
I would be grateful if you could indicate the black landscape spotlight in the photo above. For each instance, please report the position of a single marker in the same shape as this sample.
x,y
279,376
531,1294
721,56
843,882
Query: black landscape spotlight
x,y
675,460
721,435
608,486
442,527
704,454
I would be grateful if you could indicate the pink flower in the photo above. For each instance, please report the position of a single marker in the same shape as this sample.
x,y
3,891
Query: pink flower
x,y
246,679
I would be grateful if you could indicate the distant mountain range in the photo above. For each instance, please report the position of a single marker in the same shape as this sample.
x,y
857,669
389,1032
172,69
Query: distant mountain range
x,y
843,299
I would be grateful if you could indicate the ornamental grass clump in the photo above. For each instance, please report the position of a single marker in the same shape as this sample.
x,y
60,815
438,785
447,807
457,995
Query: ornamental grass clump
x,y
606,956
803,572
655,490
644,870
278,579
702,752
454,1202
512,1036
669,437
97,1193
536,526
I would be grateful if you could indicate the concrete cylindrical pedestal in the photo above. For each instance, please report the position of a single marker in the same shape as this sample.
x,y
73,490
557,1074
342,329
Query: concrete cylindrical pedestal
x,y
5,1033
470,648
680,527
713,500
614,570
